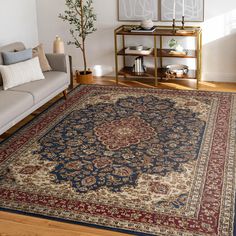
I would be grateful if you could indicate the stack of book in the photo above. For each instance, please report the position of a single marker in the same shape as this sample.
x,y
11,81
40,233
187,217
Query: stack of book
x,y
139,67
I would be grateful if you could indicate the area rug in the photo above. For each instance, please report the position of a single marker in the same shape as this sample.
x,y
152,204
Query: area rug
x,y
141,161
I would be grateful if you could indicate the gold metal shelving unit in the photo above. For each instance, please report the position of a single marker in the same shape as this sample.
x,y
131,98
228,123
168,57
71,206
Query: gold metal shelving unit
x,y
158,72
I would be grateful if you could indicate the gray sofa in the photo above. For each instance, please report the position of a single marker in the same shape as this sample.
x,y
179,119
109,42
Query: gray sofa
x,y
20,101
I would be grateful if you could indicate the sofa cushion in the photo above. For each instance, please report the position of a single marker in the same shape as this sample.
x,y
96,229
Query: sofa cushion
x,y
20,73
13,104
39,52
18,46
15,57
43,88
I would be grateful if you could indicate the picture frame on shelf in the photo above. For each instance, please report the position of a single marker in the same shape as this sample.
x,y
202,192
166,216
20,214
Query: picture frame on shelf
x,y
137,10
193,10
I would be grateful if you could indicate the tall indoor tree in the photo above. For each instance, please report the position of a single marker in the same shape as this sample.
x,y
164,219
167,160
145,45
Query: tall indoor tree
x,y
80,15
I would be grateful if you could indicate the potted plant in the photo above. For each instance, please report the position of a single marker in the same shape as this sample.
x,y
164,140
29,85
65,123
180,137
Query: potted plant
x,y
79,14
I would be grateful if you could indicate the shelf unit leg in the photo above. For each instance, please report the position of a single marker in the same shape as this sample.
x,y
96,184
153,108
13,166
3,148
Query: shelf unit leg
x,y
161,58
199,59
123,45
116,59
155,61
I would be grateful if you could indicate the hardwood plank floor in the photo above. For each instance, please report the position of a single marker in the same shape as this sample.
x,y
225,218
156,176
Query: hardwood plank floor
x,y
20,225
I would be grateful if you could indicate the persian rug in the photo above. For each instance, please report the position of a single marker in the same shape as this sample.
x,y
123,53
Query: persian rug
x,y
141,161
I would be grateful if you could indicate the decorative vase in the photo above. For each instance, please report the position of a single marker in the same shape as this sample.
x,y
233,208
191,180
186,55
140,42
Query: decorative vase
x,y
179,48
58,46
82,78
147,24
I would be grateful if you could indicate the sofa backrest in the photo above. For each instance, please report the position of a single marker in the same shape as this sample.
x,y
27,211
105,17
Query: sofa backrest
x,y
18,46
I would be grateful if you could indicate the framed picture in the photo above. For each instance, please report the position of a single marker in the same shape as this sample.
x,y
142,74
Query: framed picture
x,y
137,10
193,10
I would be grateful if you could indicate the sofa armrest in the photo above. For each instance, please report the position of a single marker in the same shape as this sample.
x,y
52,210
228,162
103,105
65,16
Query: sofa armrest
x,y
59,62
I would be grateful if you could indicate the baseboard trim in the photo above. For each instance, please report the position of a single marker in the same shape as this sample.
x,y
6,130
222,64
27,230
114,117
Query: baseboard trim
x,y
210,77
219,77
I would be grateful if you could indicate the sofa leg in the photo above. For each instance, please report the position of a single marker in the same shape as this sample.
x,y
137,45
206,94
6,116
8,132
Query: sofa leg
x,y
65,94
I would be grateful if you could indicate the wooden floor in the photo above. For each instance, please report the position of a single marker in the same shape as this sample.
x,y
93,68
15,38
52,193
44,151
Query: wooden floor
x,y
19,225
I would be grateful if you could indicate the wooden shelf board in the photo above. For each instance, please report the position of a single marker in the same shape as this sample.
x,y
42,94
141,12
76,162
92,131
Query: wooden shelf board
x,y
160,53
127,72
160,31
166,53
122,53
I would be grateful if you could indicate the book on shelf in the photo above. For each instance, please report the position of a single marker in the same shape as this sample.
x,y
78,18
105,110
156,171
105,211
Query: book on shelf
x,y
139,29
134,50
139,66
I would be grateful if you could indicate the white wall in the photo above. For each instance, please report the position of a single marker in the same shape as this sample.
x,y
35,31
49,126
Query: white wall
x,y
219,30
100,45
219,41
18,22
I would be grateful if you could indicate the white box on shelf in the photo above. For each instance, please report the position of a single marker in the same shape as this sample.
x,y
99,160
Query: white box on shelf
x,y
134,50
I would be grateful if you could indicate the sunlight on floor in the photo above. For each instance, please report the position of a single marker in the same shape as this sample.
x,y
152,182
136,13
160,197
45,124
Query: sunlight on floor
x,y
143,84
208,84
176,86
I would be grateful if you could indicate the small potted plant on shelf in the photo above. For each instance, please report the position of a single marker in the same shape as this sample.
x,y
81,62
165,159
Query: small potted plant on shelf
x,y
79,14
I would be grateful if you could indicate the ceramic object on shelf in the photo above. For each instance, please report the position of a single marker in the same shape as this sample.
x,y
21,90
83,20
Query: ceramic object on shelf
x,y
179,48
139,47
147,24
58,46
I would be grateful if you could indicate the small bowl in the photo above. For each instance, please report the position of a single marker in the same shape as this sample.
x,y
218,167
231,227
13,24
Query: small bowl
x,y
139,47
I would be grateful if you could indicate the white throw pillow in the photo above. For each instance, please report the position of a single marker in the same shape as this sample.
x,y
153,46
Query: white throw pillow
x,y
20,73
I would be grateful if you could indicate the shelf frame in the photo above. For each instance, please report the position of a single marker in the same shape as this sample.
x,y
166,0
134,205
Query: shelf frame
x,y
151,73
158,53
155,60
